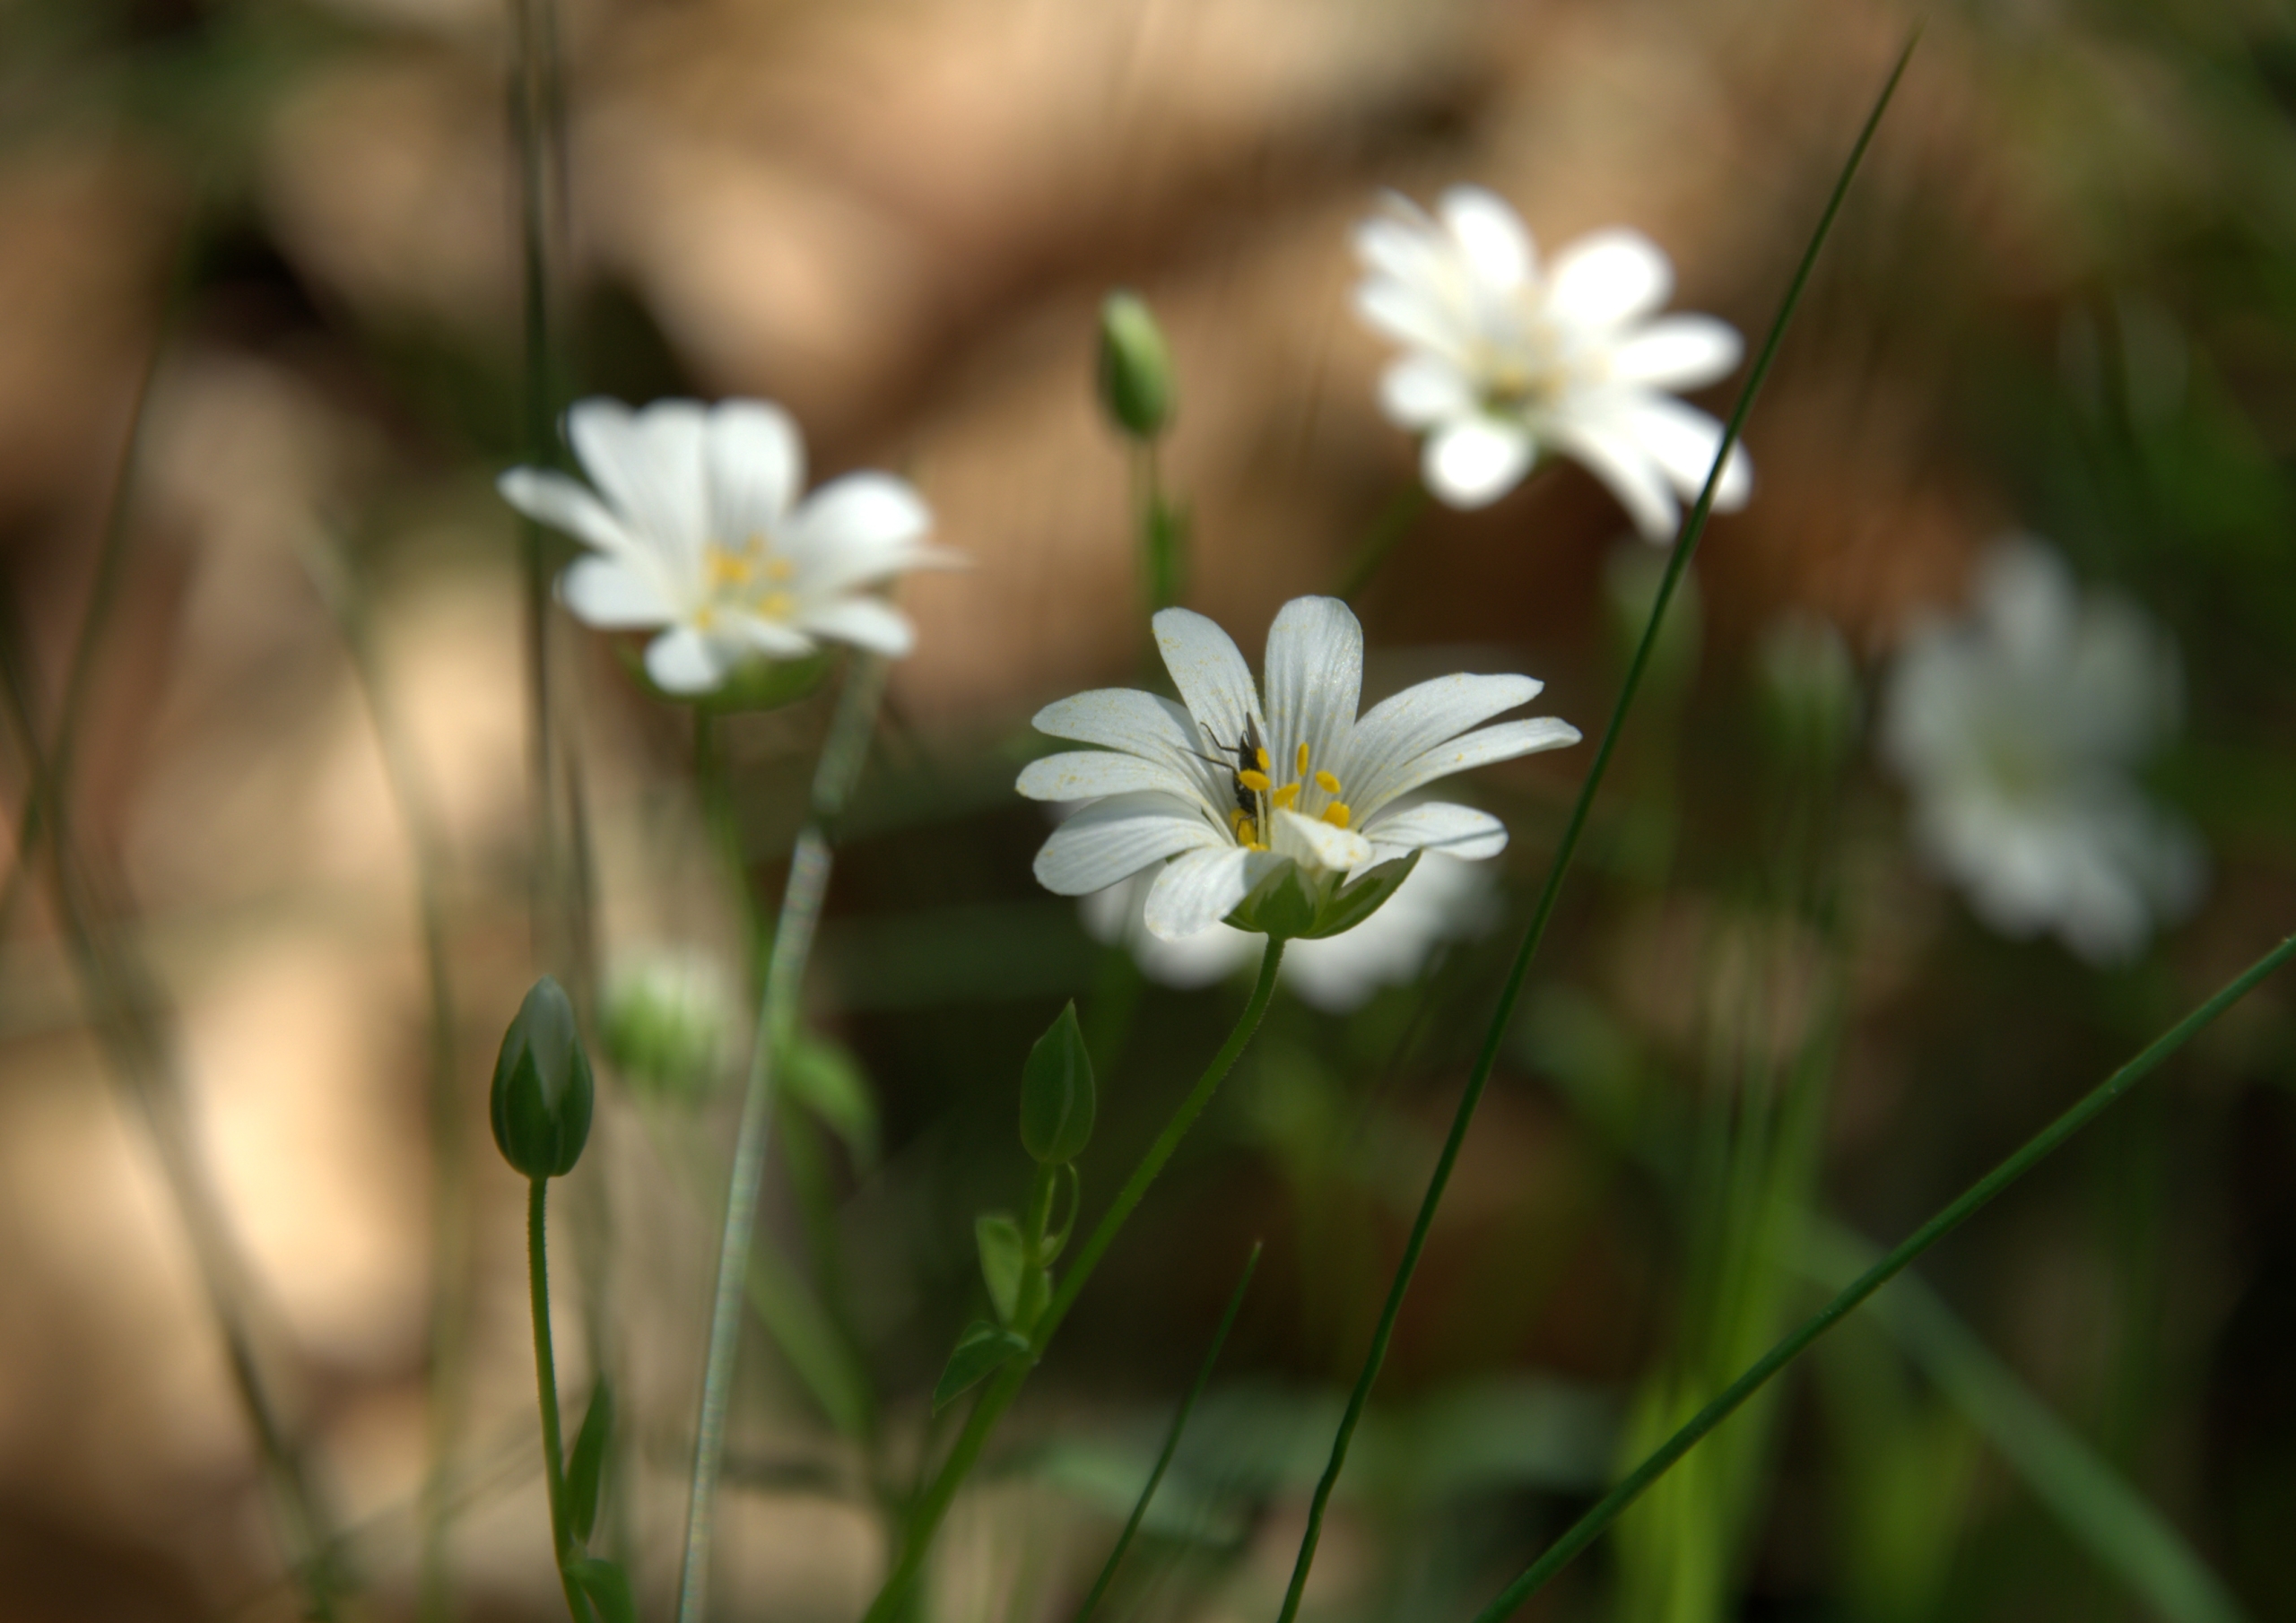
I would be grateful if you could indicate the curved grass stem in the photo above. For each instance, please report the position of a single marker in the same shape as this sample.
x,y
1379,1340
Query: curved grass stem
x,y
1395,521
1684,547
933,1504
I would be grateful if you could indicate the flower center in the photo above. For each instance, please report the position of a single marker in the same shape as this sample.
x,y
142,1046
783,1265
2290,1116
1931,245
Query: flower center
x,y
1250,823
750,579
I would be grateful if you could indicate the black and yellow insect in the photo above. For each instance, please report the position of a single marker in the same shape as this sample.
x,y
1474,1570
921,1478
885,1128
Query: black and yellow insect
x,y
1247,761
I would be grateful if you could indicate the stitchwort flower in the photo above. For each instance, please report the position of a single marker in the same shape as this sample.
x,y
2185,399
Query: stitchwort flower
x,y
1505,362
2018,728
698,524
1273,817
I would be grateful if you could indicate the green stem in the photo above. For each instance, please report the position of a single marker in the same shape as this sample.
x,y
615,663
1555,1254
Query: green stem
x,y
1396,520
1488,1053
842,755
933,1504
554,1457
1585,1530
1171,1440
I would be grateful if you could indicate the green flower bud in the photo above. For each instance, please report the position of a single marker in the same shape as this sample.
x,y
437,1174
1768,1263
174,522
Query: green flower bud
x,y
542,1093
1056,1099
1135,368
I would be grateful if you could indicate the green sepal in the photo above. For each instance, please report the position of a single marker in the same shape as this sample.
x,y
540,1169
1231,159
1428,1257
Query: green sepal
x,y
542,1093
1003,1256
827,1079
586,1467
1135,368
1057,1094
1343,907
605,1586
1288,905
980,1351
758,684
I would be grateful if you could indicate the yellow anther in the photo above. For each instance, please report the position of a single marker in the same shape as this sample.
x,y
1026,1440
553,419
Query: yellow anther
x,y
1247,833
726,568
1336,814
1261,756
775,605
1257,781
1300,770
1236,821
1328,784
1285,796
779,569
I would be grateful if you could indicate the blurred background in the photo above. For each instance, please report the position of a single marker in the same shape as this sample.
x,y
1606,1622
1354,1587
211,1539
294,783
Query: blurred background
x,y
288,708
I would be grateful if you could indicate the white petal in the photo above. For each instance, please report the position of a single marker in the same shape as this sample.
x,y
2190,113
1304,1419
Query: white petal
x,y
682,660
1203,888
1471,462
1314,681
1614,455
1413,315
1490,235
865,622
1609,278
1122,718
769,637
565,505
614,595
1114,838
1215,682
1335,850
647,464
1403,245
756,467
1421,390
874,511
1682,440
1504,742
1088,774
1459,831
1679,353
1422,715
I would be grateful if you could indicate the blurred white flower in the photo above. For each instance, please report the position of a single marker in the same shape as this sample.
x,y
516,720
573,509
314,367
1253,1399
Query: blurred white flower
x,y
1238,793
697,525
1444,899
1504,363
2018,728
668,1017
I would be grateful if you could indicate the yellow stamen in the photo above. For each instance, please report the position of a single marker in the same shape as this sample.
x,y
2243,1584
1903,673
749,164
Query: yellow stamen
x,y
1285,796
780,570
1261,755
1237,820
775,605
1302,768
1336,814
725,569
1247,833
1257,781
1326,782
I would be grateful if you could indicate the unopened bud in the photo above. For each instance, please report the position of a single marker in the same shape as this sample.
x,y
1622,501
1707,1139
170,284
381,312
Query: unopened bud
x,y
542,1092
1135,368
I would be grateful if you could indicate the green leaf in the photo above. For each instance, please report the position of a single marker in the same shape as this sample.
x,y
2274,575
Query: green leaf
x,y
1003,1257
606,1587
586,1466
827,1079
1056,1097
980,1351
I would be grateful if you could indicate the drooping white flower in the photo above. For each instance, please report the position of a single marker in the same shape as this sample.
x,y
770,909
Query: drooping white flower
x,y
1507,360
1233,794
698,524
1443,899
2018,728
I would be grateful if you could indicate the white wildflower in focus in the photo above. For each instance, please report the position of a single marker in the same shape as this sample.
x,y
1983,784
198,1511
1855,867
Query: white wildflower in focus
x,y
2018,728
1231,797
1507,359
1444,899
698,524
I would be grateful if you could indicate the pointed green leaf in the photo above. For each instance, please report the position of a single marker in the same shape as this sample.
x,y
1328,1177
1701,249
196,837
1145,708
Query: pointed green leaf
x,y
981,1350
586,1466
1003,1255
1056,1098
827,1079
606,1587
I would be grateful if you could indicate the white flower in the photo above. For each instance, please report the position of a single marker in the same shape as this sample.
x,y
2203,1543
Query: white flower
x,y
1236,794
2017,729
697,525
1444,899
1504,363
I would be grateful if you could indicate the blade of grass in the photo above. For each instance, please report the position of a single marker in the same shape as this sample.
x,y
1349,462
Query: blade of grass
x,y
1488,1055
1589,1527
1171,1441
1394,522
2109,1517
834,777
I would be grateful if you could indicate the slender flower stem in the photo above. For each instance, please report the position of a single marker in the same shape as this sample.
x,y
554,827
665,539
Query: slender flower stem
x,y
1487,1057
1171,1440
842,755
933,1504
1585,1530
554,1456
1396,520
